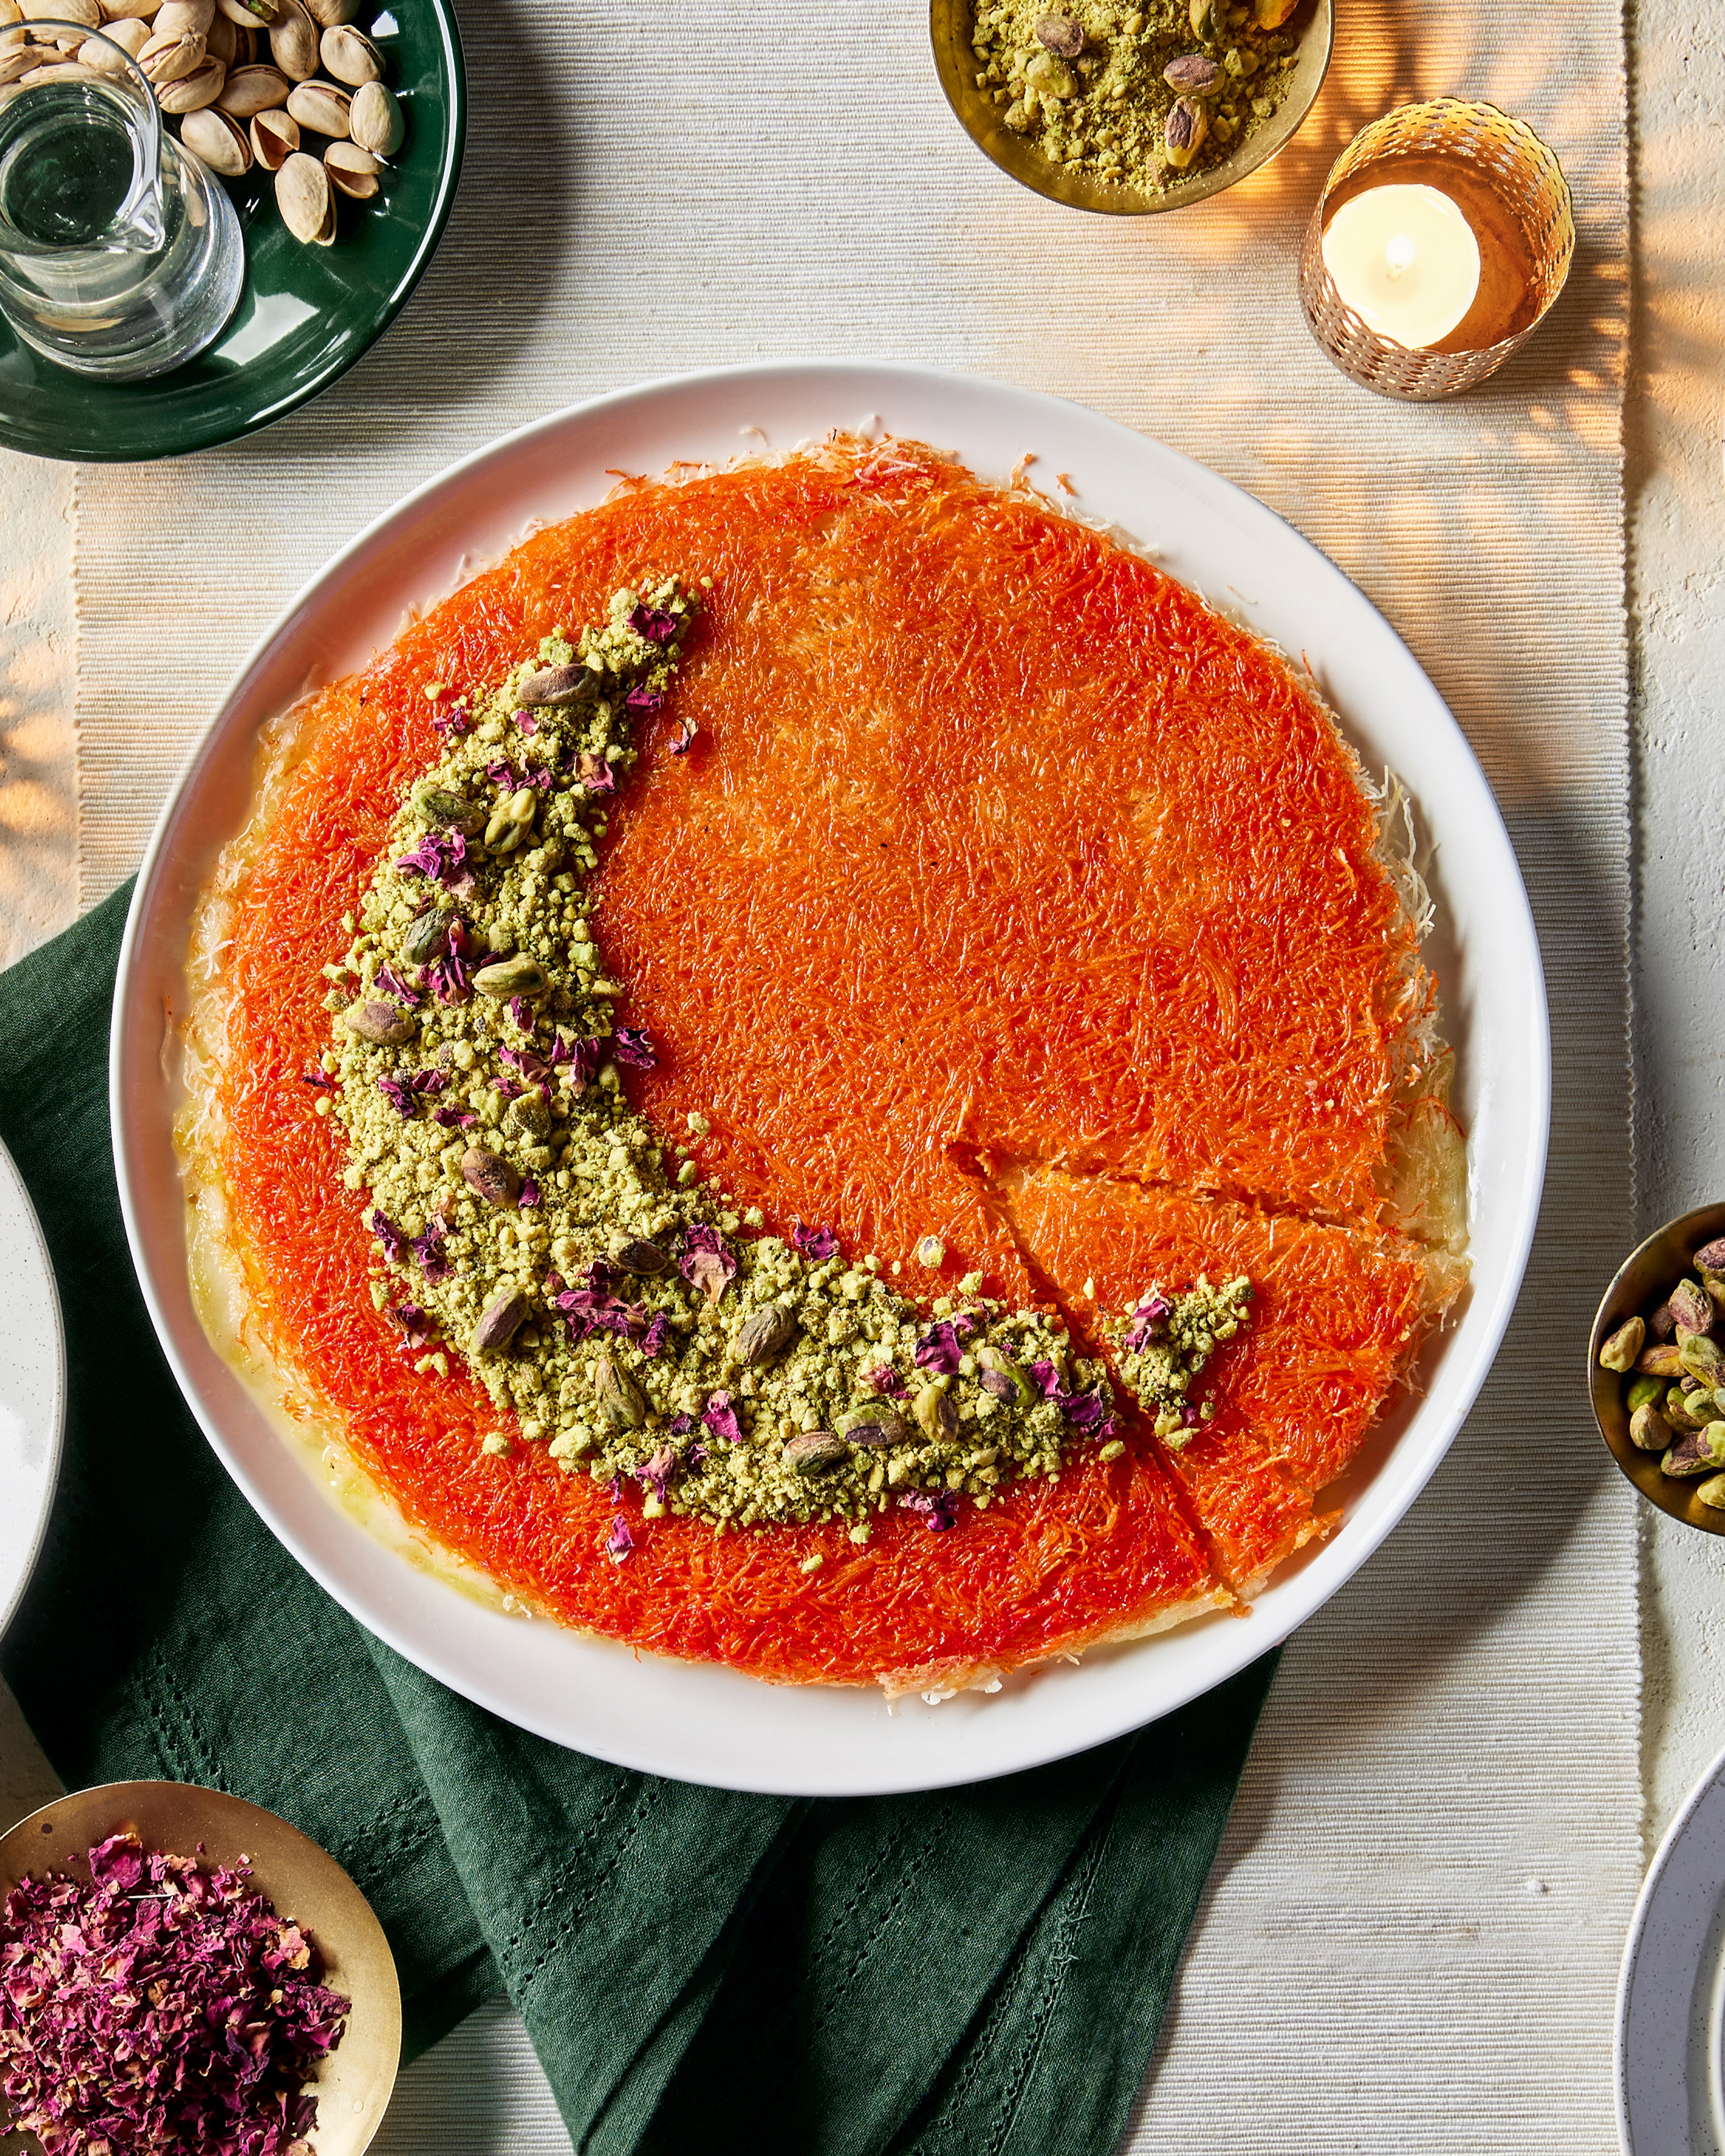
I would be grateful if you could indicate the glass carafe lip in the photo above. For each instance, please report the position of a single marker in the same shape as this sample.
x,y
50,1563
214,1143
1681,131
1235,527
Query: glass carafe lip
x,y
140,211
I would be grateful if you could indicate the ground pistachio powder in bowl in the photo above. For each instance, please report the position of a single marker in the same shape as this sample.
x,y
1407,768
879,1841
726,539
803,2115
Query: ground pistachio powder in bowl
x,y
1139,94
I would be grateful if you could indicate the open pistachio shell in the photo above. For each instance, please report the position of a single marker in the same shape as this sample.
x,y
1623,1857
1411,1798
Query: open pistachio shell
x,y
128,11
350,56
374,120
327,14
321,107
191,92
306,199
353,171
250,14
275,136
168,55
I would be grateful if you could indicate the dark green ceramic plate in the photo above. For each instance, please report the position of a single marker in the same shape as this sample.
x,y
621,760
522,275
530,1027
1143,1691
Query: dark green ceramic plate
x,y
307,313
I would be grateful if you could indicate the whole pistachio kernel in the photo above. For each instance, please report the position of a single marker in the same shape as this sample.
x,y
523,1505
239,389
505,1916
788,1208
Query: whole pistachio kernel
x,y
1649,1430
1711,1492
1692,1307
1183,131
1641,1390
1622,1346
1061,35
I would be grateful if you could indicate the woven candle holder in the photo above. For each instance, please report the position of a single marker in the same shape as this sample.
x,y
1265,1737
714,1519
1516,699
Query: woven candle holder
x,y
1511,189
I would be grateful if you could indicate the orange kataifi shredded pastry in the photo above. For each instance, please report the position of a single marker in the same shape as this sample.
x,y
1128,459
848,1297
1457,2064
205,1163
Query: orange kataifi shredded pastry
x,y
998,856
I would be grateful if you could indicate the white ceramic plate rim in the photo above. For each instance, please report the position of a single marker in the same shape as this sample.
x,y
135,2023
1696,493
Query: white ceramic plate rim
x,y
33,1386
1662,2021
693,1722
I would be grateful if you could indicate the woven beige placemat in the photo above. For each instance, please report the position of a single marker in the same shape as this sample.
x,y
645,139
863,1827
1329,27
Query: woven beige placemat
x,y
1412,1936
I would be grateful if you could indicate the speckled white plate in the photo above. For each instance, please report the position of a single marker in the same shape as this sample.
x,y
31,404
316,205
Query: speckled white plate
x,y
33,1387
692,1721
1671,1996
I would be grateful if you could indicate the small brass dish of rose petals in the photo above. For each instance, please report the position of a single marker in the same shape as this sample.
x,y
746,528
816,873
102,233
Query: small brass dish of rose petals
x,y
1655,1366
262,1919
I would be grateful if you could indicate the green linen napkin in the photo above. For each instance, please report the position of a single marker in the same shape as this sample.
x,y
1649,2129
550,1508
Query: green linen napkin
x,y
975,1969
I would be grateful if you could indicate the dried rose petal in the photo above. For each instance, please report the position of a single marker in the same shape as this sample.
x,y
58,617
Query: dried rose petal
x,y
817,1244
721,1419
619,1542
653,625
707,1262
633,1044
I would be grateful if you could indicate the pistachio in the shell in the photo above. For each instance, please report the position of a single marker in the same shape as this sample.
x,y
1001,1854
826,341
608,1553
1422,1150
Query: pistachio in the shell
x,y
1194,74
225,41
1061,34
165,59
350,56
427,937
275,136
120,11
510,976
219,141
374,120
554,685
98,53
293,42
619,1398
385,1025
252,90
321,107
1183,131
874,1427
813,1451
306,200
193,92
326,13
177,18
251,14
353,171
85,13
765,1334
636,1254
502,1319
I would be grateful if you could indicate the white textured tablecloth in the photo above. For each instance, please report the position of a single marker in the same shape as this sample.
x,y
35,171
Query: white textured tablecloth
x,y
1411,1937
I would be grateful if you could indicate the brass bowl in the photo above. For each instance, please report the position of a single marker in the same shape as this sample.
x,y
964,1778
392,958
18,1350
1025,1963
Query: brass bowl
x,y
353,2084
950,25
1646,1277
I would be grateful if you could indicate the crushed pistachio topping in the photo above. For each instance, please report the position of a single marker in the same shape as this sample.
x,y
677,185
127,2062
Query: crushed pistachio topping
x,y
526,1218
1164,1344
1136,93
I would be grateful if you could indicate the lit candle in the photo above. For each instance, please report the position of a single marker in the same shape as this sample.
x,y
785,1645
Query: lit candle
x,y
1405,260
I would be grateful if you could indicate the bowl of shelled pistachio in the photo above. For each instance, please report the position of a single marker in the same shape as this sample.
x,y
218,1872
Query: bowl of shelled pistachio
x,y
1656,1368
1128,107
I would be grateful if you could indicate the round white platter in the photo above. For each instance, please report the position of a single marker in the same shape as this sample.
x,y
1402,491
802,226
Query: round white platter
x,y
704,1724
33,1388
1670,1995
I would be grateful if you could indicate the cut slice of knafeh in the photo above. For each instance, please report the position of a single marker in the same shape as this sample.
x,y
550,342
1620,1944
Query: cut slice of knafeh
x,y
997,913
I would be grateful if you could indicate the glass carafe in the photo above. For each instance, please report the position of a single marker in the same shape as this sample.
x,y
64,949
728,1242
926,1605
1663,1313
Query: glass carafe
x,y
120,254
